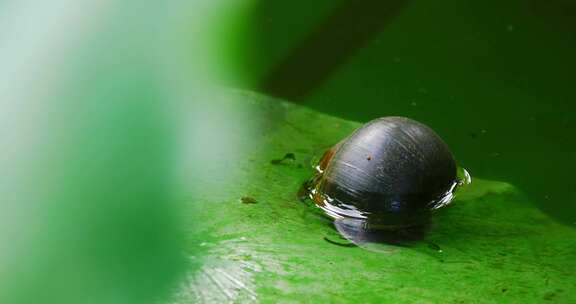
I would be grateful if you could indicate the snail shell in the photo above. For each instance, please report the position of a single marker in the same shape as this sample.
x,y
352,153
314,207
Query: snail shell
x,y
389,174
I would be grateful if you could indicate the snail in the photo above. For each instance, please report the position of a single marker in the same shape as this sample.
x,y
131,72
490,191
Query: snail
x,y
387,176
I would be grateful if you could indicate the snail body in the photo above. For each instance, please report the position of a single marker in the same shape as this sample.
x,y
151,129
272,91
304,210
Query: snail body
x,y
387,175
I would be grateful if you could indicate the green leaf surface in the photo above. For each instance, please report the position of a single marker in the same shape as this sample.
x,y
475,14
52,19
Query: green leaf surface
x,y
495,245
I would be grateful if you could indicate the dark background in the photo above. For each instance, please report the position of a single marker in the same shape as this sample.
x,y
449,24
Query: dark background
x,y
494,78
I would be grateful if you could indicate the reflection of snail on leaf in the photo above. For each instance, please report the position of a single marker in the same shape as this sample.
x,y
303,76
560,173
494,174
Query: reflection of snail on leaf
x,y
382,183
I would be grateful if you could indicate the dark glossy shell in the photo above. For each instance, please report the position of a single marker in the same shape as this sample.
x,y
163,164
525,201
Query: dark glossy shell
x,y
392,171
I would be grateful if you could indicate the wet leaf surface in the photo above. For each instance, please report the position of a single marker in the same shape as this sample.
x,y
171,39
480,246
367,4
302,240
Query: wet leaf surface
x,y
495,245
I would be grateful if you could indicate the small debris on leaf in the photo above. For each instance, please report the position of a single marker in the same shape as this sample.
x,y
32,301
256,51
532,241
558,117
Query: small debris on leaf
x,y
248,200
288,156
